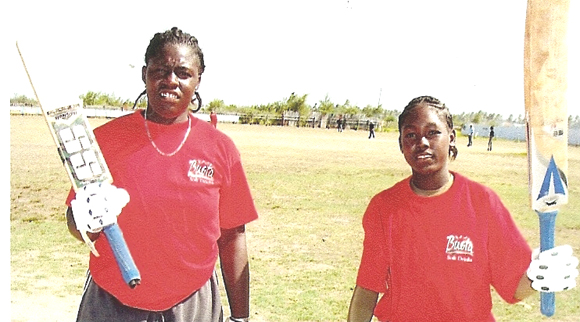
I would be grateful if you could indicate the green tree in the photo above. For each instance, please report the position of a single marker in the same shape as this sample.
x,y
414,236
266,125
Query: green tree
x,y
216,105
298,104
23,100
326,107
372,111
90,98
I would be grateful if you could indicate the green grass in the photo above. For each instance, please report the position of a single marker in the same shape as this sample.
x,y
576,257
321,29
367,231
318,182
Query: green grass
x,y
311,187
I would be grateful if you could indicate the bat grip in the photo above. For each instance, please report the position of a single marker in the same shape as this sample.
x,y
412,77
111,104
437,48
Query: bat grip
x,y
547,232
122,255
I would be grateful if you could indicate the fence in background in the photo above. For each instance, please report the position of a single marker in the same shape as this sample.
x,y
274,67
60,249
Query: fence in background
x,y
515,132
110,113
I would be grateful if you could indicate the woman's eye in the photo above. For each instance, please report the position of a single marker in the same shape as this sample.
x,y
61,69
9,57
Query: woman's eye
x,y
160,71
183,73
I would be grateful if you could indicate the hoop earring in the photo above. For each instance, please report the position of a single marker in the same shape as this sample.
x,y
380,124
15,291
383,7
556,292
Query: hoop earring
x,y
198,99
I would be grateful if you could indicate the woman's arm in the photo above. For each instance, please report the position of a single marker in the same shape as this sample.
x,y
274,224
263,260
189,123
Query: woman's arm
x,y
72,227
362,305
235,269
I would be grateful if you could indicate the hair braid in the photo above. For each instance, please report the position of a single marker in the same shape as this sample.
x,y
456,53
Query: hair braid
x,y
138,97
174,36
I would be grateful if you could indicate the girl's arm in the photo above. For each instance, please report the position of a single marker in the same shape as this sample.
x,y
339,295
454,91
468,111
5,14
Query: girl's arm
x,y
524,288
362,305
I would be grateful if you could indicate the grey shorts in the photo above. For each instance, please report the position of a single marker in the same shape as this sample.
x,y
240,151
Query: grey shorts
x,y
99,306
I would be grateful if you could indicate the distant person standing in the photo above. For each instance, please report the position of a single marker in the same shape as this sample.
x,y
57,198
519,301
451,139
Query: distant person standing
x,y
491,136
213,119
470,135
340,124
371,130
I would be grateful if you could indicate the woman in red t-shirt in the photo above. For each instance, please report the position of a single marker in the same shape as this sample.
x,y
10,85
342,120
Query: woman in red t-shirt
x,y
189,203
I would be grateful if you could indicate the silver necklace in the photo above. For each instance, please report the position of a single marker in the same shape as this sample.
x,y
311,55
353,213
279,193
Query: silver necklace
x,y
180,145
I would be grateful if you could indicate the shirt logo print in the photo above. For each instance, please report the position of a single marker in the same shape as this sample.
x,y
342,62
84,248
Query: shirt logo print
x,y
459,248
201,171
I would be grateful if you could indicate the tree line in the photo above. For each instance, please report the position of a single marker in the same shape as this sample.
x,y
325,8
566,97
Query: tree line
x,y
295,106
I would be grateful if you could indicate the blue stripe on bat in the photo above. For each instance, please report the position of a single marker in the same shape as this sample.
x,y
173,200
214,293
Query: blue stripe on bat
x,y
552,172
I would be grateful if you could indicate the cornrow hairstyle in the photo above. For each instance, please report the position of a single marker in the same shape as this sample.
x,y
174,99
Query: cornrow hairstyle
x,y
175,36
442,111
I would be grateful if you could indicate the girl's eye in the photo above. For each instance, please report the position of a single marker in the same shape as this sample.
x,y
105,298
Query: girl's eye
x,y
410,135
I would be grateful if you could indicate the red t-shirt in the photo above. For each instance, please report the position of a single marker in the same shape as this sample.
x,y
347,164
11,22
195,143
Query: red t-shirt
x,y
444,253
178,205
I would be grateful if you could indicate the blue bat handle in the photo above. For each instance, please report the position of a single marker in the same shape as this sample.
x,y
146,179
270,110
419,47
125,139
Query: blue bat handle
x,y
547,229
124,259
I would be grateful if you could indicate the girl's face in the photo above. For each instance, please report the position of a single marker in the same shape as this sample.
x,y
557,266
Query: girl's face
x,y
425,140
171,79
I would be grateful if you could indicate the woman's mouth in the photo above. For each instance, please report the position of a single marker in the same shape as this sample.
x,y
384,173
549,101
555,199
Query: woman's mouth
x,y
169,95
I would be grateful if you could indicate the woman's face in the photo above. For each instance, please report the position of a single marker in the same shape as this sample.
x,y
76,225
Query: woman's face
x,y
171,79
425,140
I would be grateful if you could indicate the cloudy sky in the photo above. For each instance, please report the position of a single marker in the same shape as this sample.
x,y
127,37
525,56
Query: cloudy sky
x,y
467,53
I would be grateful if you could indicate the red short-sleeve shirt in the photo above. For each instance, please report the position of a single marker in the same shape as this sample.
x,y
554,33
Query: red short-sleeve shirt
x,y
440,255
178,205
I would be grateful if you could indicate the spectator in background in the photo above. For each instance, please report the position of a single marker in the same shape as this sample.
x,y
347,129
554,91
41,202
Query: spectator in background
x,y
470,135
491,136
371,130
213,119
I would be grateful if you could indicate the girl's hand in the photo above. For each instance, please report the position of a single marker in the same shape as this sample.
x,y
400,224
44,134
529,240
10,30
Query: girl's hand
x,y
553,270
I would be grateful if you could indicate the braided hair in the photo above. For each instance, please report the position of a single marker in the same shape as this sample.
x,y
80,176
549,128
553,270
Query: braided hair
x,y
175,36
442,111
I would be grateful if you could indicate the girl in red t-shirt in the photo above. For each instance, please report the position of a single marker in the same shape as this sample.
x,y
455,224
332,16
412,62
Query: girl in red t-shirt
x,y
436,241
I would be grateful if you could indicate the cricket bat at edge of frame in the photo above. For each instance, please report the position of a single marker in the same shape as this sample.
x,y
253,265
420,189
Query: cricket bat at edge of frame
x,y
85,164
545,86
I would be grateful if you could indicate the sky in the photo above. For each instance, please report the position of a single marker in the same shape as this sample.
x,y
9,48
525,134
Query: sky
x,y
469,54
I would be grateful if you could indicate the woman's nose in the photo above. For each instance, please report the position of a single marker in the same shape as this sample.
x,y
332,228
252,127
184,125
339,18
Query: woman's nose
x,y
171,77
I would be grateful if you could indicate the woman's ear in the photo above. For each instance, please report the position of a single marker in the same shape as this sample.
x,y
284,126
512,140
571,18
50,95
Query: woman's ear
x,y
144,74
400,144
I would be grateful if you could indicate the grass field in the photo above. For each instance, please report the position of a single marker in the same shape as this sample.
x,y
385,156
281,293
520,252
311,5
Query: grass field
x,y
311,187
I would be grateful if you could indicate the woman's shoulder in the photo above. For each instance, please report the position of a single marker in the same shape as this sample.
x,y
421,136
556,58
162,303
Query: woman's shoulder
x,y
121,123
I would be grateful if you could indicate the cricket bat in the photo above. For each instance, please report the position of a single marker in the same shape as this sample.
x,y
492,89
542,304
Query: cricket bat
x,y
85,164
545,86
